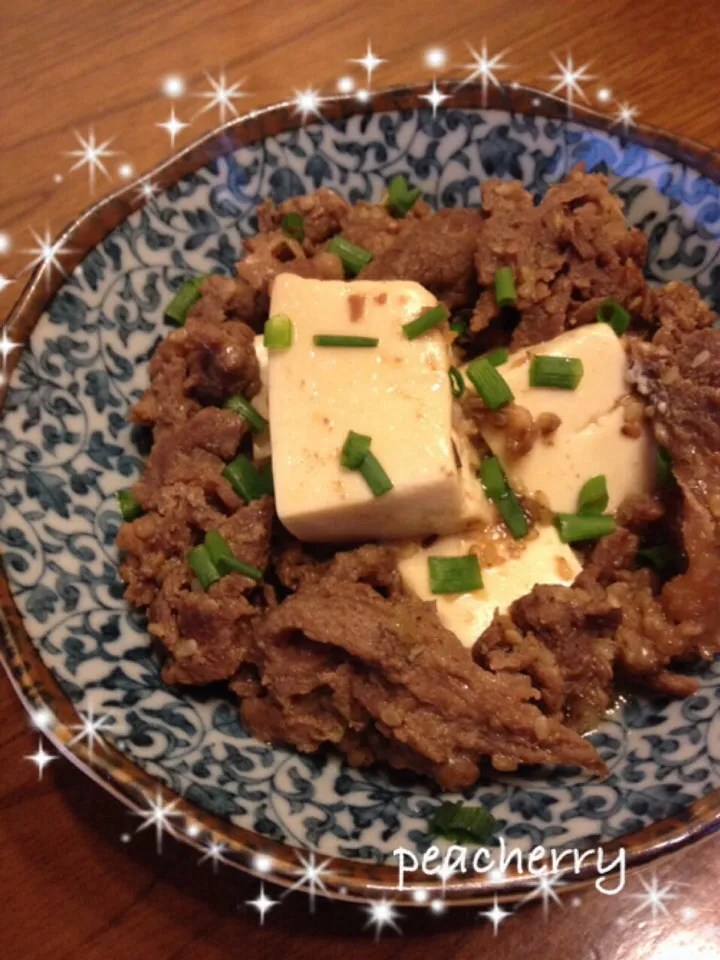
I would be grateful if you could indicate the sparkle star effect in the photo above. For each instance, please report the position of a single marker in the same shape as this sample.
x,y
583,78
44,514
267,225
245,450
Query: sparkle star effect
x,y
90,729
496,915
41,758
435,58
158,814
4,282
370,62
5,243
221,95
91,155
436,98
262,904
545,889
381,914
214,852
485,67
173,126
173,86
310,874
307,103
569,79
625,115
47,254
654,897
6,346
146,191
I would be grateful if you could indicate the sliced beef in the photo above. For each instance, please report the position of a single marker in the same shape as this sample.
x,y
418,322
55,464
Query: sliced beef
x,y
371,563
436,251
372,226
568,254
323,213
269,254
203,362
679,374
341,664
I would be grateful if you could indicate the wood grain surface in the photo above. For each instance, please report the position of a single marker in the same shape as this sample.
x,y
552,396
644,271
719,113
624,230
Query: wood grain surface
x,y
69,884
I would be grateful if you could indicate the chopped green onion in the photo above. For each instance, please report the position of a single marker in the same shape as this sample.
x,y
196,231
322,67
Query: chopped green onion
x,y
293,224
496,488
560,373
489,384
662,557
238,404
463,824
227,565
354,451
130,508
331,340
663,467
426,321
454,574
203,567
459,327
244,478
457,382
611,312
572,527
512,514
401,198
278,334
266,479
505,295
593,497
186,295
493,478
497,357
375,477
217,546
353,258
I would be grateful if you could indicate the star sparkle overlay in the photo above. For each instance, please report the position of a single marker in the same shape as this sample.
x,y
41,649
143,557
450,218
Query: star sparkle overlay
x,y
222,96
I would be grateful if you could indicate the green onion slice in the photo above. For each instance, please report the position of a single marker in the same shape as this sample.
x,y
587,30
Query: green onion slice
x,y
374,475
493,478
497,357
457,382
217,546
354,451
489,384
293,225
203,567
512,514
454,574
560,373
266,479
278,333
401,197
463,824
130,508
662,557
460,327
426,321
227,565
593,497
505,295
496,488
331,340
245,479
238,404
224,560
574,527
186,295
353,258
611,312
663,467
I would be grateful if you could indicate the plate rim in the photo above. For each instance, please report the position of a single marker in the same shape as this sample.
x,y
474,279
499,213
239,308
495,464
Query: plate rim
x,y
349,880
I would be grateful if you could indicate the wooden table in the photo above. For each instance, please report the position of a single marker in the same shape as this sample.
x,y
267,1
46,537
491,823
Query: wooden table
x,y
69,885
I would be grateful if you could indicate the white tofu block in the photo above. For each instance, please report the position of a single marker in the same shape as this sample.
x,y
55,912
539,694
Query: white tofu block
x,y
261,441
398,393
510,570
589,440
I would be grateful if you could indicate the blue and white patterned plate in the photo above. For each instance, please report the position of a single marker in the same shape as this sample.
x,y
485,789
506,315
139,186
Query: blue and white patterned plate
x,y
66,448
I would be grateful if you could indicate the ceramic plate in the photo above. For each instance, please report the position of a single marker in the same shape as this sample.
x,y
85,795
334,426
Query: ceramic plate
x,y
73,645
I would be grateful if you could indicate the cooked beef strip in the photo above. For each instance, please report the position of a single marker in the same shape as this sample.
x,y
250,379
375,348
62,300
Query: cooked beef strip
x,y
568,254
436,251
337,658
372,227
679,374
323,213
370,563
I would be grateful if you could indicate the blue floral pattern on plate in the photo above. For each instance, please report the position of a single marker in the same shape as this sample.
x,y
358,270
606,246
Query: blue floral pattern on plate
x,y
66,448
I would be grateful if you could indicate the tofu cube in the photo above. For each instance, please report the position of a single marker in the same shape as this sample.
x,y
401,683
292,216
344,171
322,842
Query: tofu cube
x,y
398,393
510,569
589,440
